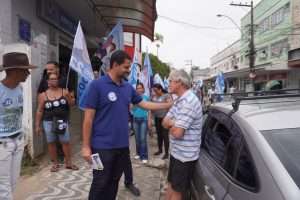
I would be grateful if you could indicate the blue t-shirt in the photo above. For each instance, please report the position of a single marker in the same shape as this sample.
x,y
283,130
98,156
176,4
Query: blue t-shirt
x,y
11,110
111,102
138,112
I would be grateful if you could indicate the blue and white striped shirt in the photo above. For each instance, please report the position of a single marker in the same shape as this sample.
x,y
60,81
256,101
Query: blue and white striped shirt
x,y
187,114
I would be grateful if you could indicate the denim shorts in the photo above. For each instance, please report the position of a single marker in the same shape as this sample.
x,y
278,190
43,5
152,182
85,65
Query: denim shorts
x,y
52,137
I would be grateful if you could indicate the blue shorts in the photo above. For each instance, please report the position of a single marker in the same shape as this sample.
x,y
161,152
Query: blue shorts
x,y
52,137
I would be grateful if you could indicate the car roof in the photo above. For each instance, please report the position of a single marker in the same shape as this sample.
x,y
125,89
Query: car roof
x,y
268,114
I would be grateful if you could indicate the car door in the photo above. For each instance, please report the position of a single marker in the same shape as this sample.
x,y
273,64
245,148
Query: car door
x,y
210,180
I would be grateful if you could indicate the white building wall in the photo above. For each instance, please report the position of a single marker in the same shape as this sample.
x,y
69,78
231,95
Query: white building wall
x,y
295,14
225,60
5,22
39,51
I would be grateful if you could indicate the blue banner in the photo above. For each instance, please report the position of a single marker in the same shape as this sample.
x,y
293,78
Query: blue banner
x,y
80,62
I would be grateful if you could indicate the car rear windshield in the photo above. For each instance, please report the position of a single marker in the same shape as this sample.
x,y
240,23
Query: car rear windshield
x,y
286,144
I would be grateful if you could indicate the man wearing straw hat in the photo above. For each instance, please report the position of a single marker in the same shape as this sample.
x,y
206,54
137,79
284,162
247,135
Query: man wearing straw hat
x,y
16,66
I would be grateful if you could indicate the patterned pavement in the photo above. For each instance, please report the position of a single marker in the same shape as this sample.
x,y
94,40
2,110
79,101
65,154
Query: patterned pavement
x,y
65,184
74,185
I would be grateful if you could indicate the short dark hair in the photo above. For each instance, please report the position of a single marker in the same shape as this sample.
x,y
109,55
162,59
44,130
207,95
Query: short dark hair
x,y
159,87
51,62
119,57
141,84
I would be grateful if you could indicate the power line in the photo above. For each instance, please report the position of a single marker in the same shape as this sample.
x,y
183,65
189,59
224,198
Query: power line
x,y
193,25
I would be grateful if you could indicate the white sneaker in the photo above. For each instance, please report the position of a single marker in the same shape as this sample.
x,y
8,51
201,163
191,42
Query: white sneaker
x,y
144,161
136,157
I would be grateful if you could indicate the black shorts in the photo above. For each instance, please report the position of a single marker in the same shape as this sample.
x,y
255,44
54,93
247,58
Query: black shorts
x,y
180,174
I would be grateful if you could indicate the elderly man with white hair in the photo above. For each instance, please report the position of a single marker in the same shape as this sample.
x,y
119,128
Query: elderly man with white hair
x,y
184,121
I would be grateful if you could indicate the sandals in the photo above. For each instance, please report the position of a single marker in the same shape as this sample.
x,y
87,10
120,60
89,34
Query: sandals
x,y
54,168
72,167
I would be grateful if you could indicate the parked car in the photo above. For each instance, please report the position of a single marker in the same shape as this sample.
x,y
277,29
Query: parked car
x,y
250,153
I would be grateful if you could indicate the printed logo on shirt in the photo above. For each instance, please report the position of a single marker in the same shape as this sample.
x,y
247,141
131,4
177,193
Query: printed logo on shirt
x,y
7,102
48,105
112,96
56,103
63,101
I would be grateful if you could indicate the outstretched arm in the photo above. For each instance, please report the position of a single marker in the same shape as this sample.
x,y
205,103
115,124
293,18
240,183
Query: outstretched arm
x,y
154,106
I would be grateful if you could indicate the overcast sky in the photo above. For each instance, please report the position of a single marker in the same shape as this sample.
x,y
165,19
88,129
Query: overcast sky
x,y
183,42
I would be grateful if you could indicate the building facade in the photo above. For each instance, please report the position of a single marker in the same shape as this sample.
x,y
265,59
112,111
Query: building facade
x,y
44,30
274,26
227,61
277,47
200,74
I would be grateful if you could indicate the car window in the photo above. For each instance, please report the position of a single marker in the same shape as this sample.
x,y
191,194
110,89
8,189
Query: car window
x,y
245,172
216,139
224,143
232,153
286,144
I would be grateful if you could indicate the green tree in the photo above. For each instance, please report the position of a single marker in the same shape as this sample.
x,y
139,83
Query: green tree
x,y
159,37
163,69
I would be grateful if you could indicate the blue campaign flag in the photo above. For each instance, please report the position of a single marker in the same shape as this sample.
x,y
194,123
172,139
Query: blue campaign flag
x,y
80,62
114,41
134,71
220,86
166,84
82,89
157,79
147,74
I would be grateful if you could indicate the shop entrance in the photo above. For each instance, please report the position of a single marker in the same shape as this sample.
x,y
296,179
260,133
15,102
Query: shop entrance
x,y
64,60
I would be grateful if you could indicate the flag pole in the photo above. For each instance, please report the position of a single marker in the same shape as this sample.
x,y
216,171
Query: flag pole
x,y
68,77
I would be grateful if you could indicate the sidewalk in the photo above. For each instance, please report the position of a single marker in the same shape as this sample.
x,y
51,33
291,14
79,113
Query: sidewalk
x,y
75,185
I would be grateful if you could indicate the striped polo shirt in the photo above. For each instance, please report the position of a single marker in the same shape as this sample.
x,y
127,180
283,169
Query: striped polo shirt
x,y
187,114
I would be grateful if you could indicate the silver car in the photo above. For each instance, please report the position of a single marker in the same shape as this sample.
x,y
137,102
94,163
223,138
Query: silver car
x,y
250,151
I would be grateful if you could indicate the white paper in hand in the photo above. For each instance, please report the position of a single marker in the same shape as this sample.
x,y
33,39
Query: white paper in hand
x,y
96,162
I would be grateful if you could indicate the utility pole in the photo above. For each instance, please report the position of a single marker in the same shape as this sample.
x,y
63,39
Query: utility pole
x,y
252,52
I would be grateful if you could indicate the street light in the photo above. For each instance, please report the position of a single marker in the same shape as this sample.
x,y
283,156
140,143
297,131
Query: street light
x,y
220,15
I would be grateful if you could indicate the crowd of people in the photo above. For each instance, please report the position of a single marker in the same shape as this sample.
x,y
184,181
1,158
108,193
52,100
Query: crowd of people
x,y
176,113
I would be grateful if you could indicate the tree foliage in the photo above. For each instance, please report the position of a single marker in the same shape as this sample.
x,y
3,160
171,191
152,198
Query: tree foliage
x,y
159,37
163,69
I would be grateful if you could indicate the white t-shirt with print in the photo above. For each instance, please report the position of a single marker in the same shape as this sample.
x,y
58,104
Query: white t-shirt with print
x,y
11,110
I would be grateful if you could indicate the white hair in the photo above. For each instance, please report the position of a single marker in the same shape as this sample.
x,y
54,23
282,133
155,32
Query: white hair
x,y
182,76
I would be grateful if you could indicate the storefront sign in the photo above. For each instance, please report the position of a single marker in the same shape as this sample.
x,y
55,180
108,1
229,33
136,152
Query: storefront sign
x,y
51,12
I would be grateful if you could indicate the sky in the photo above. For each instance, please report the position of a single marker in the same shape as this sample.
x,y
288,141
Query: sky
x,y
182,43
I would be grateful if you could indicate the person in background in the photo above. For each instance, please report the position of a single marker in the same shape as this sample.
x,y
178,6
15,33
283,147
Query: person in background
x,y
141,124
211,93
16,66
128,175
184,121
53,112
53,67
160,95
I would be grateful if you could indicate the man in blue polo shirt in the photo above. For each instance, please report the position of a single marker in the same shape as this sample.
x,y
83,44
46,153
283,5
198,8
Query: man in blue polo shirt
x,y
105,125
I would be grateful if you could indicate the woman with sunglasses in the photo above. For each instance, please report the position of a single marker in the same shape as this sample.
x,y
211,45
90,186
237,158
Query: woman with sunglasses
x,y
53,111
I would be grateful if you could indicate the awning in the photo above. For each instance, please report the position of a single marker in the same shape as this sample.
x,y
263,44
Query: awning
x,y
138,16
